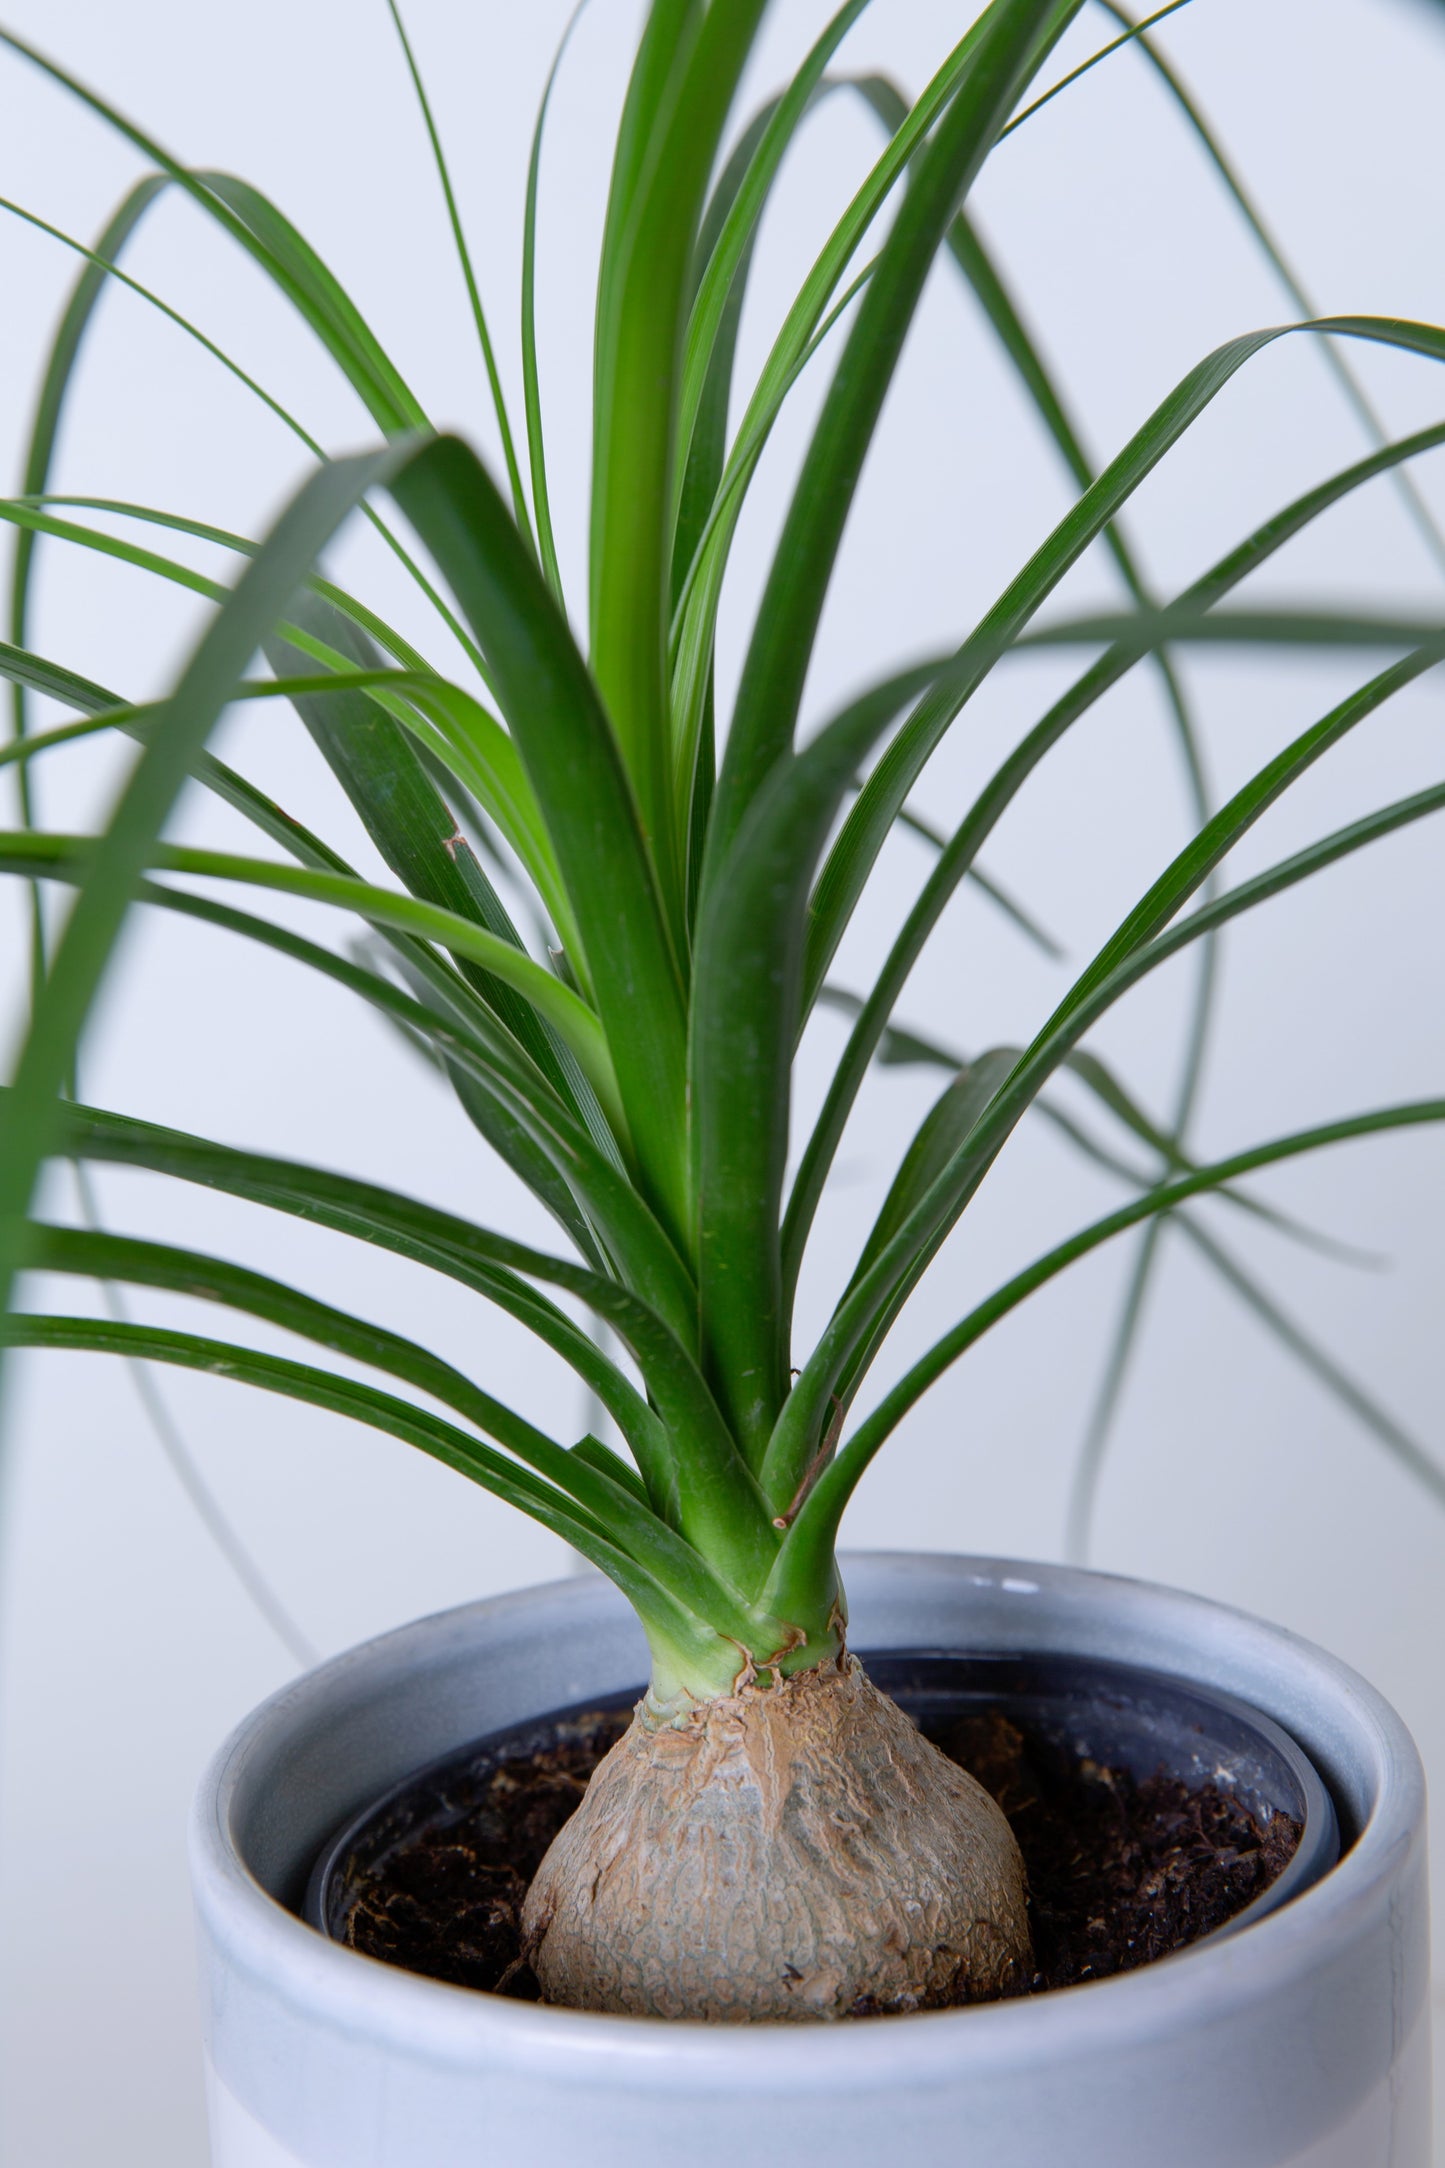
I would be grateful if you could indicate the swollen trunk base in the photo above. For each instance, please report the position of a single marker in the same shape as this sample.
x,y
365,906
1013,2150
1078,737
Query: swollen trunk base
x,y
797,1851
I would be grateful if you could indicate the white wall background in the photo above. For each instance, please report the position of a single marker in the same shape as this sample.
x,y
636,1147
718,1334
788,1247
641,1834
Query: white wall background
x,y
126,1646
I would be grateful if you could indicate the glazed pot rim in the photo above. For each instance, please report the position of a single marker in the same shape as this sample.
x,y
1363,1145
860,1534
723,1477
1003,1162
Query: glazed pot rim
x,y
442,2024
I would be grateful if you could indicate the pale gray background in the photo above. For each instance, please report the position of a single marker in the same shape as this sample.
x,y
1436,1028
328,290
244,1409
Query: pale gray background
x,y
126,1648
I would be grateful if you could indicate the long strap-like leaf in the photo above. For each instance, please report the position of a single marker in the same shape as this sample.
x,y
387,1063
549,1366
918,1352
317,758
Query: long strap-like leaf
x,y
1016,37
641,1532
811,1538
472,1066
1137,948
450,721
45,426
657,1605
380,769
718,1503
644,1255
695,619
745,189
119,855
568,749
871,819
469,277
531,380
746,995
268,236
1334,358
903,1047
960,850
642,300
65,349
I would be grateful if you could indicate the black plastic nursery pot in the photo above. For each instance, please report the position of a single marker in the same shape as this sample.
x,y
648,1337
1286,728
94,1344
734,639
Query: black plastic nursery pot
x,y
1150,1814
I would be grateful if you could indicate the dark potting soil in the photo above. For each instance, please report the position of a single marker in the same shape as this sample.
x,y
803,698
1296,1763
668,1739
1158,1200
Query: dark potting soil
x,y
1120,1870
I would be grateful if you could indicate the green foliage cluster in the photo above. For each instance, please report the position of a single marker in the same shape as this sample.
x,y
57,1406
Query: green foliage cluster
x,y
694,875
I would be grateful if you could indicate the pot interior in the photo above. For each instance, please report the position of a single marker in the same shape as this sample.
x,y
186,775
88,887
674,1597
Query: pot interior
x,y
1084,1711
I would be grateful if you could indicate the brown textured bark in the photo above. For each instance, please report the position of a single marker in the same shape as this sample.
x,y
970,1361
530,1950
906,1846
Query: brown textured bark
x,y
796,1851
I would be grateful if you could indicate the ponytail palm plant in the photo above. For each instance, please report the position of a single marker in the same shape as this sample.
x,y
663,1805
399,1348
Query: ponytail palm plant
x,y
612,911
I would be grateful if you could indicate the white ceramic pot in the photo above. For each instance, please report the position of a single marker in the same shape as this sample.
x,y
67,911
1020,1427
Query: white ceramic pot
x,y
1302,2041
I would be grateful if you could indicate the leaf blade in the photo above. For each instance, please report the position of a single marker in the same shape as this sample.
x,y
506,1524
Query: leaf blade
x,y
816,1524
568,750
1015,37
878,804
155,784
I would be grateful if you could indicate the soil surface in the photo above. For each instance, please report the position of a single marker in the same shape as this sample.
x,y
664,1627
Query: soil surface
x,y
1120,1871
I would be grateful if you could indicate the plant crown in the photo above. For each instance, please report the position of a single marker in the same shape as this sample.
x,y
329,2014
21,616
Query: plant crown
x,y
611,914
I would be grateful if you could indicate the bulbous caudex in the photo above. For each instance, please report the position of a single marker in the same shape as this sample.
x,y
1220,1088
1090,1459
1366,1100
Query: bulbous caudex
x,y
793,1850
